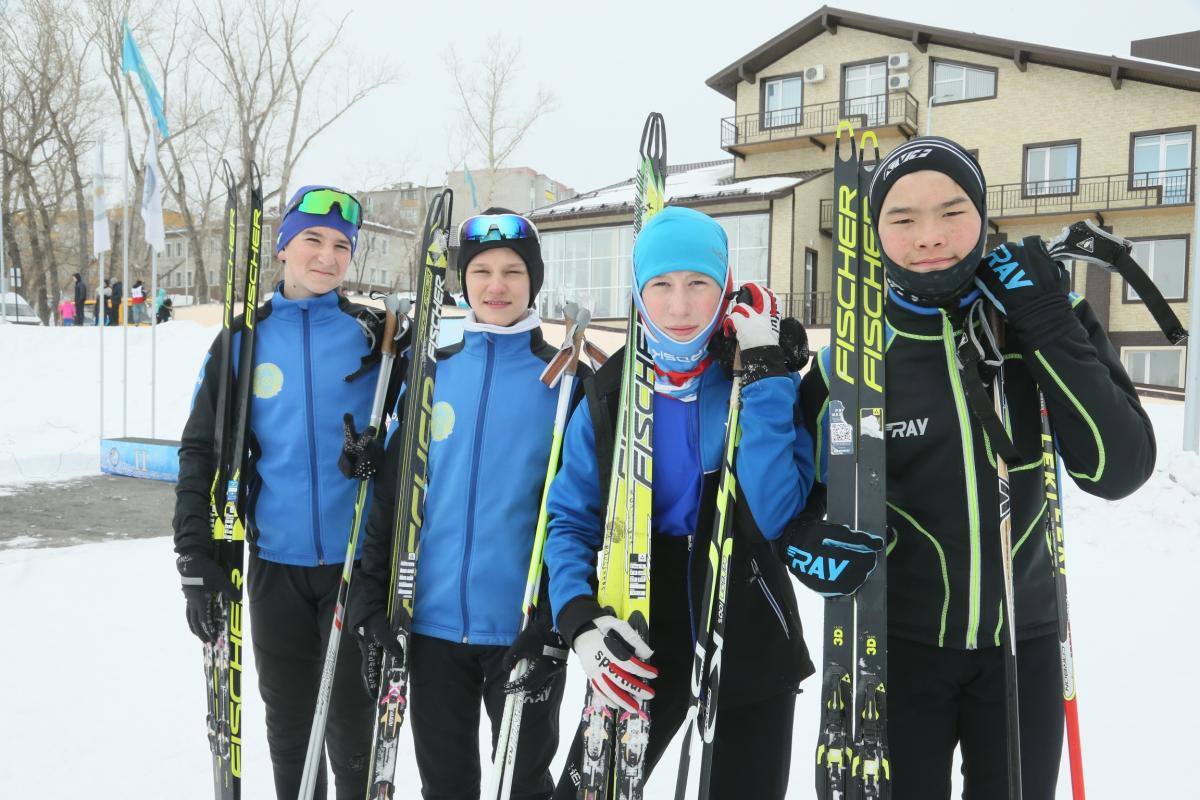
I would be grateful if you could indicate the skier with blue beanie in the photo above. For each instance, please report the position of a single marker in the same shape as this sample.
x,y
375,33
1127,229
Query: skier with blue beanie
x,y
316,359
682,288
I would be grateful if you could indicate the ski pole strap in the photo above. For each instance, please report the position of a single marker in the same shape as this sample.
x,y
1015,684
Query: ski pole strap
x,y
973,361
1153,299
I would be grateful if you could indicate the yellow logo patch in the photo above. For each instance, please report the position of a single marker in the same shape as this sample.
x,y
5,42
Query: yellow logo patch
x,y
443,421
268,380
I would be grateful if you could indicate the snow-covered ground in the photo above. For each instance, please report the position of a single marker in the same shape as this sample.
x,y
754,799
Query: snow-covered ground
x,y
100,685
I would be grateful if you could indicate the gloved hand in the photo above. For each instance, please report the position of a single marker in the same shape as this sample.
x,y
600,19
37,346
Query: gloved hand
x,y
614,659
1030,288
203,580
831,559
754,317
375,638
546,654
362,453
1085,241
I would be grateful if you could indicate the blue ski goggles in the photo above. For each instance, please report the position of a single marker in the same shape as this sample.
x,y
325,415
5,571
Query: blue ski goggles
x,y
496,228
320,202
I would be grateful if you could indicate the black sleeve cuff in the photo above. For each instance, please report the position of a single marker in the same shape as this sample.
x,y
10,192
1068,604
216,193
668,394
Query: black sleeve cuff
x,y
576,614
762,362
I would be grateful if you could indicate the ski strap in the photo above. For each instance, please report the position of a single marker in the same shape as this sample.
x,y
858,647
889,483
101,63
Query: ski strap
x,y
1152,297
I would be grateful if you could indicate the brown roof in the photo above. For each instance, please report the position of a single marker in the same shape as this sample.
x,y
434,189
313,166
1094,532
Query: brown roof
x,y
827,18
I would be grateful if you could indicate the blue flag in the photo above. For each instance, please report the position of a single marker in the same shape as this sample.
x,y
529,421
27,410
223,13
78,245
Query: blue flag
x,y
131,61
471,186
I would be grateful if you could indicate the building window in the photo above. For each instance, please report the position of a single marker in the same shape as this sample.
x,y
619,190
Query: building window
x,y
592,267
383,246
1165,261
782,99
1163,159
1052,168
1154,366
954,83
864,92
748,246
212,278
384,277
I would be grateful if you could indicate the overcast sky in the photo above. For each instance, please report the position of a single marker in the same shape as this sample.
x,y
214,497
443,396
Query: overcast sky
x,y
609,62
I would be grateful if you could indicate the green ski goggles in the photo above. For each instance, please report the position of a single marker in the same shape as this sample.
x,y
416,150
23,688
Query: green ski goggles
x,y
321,201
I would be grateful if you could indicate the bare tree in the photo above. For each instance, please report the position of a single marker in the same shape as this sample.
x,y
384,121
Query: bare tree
x,y
494,128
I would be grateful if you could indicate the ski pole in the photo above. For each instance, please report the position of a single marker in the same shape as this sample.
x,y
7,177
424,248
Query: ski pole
x,y
394,308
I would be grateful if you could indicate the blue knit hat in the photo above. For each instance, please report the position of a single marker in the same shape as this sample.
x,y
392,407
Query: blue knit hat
x,y
678,238
296,221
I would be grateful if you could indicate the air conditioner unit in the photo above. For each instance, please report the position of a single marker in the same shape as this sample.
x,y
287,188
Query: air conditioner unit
x,y
814,74
898,61
896,82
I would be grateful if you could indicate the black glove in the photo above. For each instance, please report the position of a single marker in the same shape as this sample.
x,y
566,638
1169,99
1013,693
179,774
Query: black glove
x,y
832,560
362,453
375,638
1084,241
546,653
1030,288
203,581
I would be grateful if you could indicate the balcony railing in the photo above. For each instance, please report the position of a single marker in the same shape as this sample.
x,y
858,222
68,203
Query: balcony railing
x,y
811,308
1100,193
819,119
825,218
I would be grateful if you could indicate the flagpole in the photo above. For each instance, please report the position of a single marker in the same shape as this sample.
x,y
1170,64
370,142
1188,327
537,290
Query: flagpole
x,y
153,334
3,274
125,268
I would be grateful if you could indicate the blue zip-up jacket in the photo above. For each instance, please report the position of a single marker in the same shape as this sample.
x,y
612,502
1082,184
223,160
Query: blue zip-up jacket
x,y
775,472
493,421
299,505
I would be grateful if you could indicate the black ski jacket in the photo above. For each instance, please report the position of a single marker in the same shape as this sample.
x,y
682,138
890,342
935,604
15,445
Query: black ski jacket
x,y
945,584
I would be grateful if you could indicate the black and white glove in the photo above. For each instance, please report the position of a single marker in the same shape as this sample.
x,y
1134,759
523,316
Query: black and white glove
x,y
833,560
375,638
1030,288
614,660
1085,241
362,453
203,580
545,654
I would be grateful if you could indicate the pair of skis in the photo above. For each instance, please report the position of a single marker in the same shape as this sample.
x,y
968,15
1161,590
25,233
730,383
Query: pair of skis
x,y
852,748
612,761
411,488
223,658
561,372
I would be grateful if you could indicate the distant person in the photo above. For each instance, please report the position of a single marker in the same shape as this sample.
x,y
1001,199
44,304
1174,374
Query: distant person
x,y
108,303
165,311
118,292
66,312
81,292
137,304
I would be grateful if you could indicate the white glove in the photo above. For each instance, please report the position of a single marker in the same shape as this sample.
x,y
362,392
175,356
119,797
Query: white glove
x,y
613,656
754,317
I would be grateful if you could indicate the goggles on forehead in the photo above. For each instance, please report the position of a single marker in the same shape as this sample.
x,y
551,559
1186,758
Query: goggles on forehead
x,y
496,228
320,201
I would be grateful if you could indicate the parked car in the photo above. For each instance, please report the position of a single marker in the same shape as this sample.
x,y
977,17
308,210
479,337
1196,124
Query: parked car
x,y
18,311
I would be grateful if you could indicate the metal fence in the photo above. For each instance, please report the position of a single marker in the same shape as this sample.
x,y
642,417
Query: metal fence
x,y
1127,190
820,118
811,308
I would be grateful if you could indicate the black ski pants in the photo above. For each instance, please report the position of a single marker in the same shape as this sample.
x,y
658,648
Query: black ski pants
x,y
940,698
447,682
291,612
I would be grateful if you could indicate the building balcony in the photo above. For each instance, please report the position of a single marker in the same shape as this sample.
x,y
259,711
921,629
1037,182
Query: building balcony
x,y
1074,196
817,124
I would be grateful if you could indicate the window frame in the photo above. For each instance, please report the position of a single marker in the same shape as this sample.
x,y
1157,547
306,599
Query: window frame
x,y
1025,148
843,109
1135,135
1187,252
1180,351
933,62
765,115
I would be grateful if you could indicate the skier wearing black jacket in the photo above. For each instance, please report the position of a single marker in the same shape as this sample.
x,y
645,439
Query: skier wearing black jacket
x,y
316,359
80,298
945,587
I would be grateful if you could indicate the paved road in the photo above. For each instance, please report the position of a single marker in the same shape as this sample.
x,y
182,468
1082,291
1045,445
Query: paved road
x,y
95,509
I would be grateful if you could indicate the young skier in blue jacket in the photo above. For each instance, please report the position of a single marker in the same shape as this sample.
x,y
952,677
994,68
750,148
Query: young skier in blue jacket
x,y
681,282
312,364
491,434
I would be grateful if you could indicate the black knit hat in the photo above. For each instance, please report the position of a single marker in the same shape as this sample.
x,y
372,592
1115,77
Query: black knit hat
x,y
528,248
949,158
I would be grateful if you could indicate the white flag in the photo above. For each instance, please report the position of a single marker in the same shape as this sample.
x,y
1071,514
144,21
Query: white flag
x,y
100,240
152,214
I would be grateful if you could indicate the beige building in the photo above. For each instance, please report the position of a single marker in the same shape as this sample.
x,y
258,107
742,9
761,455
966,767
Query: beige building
x,y
1061,136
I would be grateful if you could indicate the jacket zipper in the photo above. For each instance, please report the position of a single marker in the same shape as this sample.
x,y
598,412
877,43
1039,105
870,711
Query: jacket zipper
x,y
968,444
473,486
310,416
757,577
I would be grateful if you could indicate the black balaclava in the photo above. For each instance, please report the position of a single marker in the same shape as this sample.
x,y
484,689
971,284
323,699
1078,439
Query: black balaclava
x,y
949,158
530,251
